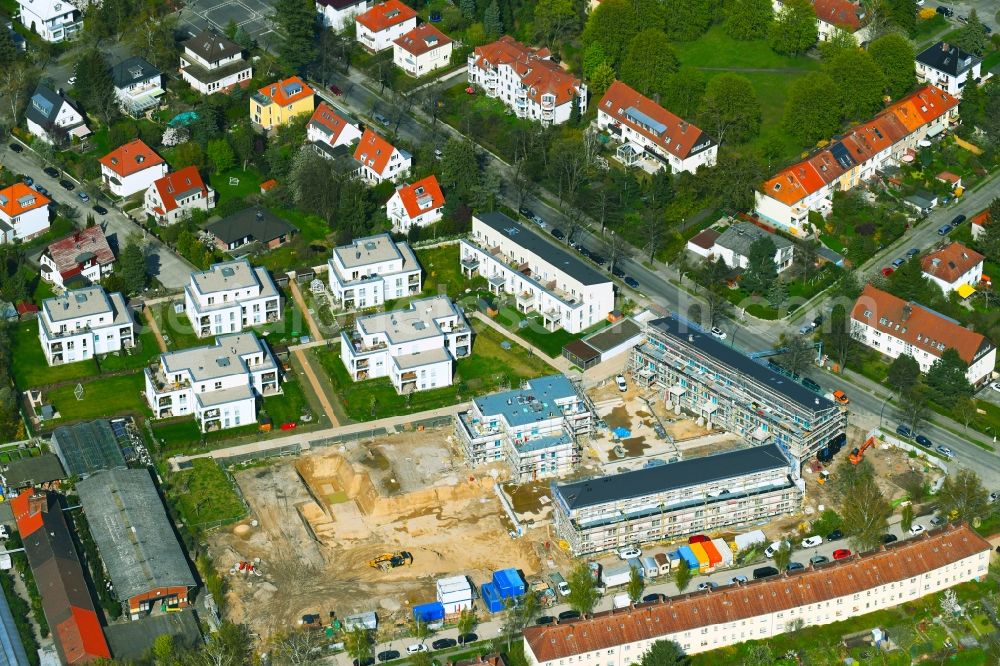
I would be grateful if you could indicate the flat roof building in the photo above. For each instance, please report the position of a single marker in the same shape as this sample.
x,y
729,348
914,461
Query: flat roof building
x,y
229,297
372,270
83,323
673,500
721,386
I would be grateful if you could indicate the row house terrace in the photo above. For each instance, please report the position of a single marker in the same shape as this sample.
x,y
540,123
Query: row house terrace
x,y
229,297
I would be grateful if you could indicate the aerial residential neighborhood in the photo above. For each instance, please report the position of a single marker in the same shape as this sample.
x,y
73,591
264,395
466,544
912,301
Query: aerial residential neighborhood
x,y
506,333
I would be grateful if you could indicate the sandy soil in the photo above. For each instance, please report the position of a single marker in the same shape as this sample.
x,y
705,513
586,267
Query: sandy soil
x,y
323,516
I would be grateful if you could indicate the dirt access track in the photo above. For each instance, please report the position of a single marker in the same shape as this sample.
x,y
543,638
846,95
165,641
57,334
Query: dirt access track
x,y
322,517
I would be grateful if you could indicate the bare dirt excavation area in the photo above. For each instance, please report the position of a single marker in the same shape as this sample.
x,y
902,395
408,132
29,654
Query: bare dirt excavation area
x,y
322,517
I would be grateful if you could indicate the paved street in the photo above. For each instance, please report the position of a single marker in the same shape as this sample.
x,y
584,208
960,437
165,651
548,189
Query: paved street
x,y
172,271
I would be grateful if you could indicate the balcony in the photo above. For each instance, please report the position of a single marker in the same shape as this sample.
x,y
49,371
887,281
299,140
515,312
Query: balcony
x,y
525,301
160,383
165,401
409,376
213,413
414,279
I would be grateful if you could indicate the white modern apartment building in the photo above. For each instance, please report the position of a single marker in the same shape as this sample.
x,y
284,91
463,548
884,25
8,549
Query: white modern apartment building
x,y
422,50
415,348
544,278
702,621
219,384
534,428
527,81
52,20
954,267
372,270
786,199
84,323
831,15
948,67
211,63
229,297
338,14
894,327
377,28
651,137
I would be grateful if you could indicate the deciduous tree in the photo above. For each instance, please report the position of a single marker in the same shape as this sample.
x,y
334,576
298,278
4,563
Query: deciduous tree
x,y
748,19
894,55
730,110
812,110
683,575
947,378
686,20
612,25
794,30
903,374
220,154
583,594
906,518
902,13
649,63
964,496
601,79
636,584
132,267
864,510
860,82
799,354
554,19
664,653
684,92
761,271
914,405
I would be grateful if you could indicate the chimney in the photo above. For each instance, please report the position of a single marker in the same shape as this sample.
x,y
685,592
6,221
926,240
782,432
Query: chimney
x,y
944,46
907,311
37,503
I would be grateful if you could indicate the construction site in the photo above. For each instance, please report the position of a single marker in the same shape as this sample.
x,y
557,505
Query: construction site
x,y
364,526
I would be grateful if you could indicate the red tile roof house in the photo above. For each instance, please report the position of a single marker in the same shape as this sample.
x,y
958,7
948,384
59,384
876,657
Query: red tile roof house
x,y
329,127
527,81
84,253
422,50
416,205
979,223
380,160
948,177
383,24
652,137
66,601
954,267
893,327
24,213
173,197
131,168
848,15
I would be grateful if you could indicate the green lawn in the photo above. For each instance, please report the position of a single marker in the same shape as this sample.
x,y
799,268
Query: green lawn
x,y
311,227
176,328
249,183
286,408
204,494
136,358
102,398
30,368
927,29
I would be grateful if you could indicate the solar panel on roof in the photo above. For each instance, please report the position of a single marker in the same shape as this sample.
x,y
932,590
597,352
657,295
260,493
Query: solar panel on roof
x,y
42,105
638,116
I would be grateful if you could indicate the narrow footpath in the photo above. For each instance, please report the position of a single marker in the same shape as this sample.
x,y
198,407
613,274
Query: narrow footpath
x,y
155,328
301,302
310,374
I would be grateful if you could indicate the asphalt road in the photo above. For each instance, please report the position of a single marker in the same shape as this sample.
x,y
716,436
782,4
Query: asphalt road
x,y
171,271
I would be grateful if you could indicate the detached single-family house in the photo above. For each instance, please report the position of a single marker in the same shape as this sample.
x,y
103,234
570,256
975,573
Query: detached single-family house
x,y
380,26
250,225
848,15
54,118
923,201
422,50
948,67
131,168
327,126
84,253
52,20
954,267
979,223
416,205
24,213
277,103
380,160
733,245
174,196
211,63
337,14
138,85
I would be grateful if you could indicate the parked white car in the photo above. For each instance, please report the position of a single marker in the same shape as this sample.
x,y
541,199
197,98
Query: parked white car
x,y
629,552
718,332
812,542
917,529
620,380
415,648
773,548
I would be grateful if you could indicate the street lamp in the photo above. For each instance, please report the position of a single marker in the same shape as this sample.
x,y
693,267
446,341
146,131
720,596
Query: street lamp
x,y
882,411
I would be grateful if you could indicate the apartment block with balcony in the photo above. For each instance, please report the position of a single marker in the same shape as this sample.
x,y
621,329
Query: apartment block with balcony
x,y
416,348
671,501
535,428
373,270
84,323
700,621
696,373
230,297
527,81
52,20
544,278
218,384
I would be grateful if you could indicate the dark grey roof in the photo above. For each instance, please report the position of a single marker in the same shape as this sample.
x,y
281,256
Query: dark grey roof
x,y
683,474
341,156
741,235
726,355
34,471
257,223
85,448
132,70
947,58
608,338
529,240
133,533
44,105
134,640
212,47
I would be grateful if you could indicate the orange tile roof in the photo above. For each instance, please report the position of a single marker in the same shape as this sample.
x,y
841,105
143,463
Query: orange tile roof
x,y
133,157
982,218
843,13
27,521
286,92
385,15
425,37
794,183
678,137
894,563
325,117
533,66
421,196
951,262
373,151
916,325
19,198
179,183
932,102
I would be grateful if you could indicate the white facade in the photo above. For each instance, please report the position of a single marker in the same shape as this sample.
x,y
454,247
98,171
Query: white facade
x,y
173,197
380,160
421,51
52,20
381,36
544,278
223,71
417,205
338,14
733,246
219,384
24,213
329,127
129,175
971,277
65,117
84,323
229,297
415,348
948,67
371,271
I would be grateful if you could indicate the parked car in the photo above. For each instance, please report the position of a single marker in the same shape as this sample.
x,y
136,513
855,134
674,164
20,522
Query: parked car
x,y
764,572
904,431
945,451
718,332
51,172
944,229
841,553
795,566
545,619
912,252
631,281
438,153
651,598
811,385
41,190
841,398
83,196
805,329
812,542
708,585
834,535
888,270
617,271
335,90
945,11
380,119
557,233
598,259
415,648
569,615
899,262
28,180
100,210
465,639
889,538
563,588
923,441
773,548
444,643
958,220
16,147
67,185
620,380
994,497
739,579
818,559
995,386
917,529
629,552
388,655
938,520
539,221
817,320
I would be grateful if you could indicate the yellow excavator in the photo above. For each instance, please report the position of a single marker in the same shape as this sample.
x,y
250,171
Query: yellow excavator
x,y
387,561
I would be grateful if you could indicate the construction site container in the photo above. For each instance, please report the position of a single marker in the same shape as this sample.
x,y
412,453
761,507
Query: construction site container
x,y
453,584
650,569
362,620
685,554
491,598
621,601
615,576
714,558
744,541
704,564
508,583
426,613
662,563
725,552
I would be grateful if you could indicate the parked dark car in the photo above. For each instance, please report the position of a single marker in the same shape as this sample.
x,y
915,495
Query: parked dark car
x,y
889,538
811,385
569,615
51,172
944,229
631,281
651,598
617,271
545,619
904,431
465,639
912,252
834,535
16,147
444,643
67,185
598,259
817,320
958,220
100,210
923,441
945,11
388,655
557,233
41,190
764,572
795,566
367,661
527,212
335,90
